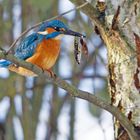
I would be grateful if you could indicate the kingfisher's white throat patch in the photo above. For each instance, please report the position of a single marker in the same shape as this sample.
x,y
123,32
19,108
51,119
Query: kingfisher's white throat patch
x,y
58,37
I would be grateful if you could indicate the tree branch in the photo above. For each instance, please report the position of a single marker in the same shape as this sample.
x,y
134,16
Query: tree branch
x,y
76,93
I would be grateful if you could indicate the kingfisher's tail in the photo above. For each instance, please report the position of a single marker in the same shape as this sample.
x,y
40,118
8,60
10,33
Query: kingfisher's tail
x,y
5,63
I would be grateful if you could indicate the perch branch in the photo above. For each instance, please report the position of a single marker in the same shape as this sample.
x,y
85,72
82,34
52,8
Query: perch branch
x,y
76,93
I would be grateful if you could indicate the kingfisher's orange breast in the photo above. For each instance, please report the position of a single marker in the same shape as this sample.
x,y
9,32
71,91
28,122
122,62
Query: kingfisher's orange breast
x,y
45,57
46,54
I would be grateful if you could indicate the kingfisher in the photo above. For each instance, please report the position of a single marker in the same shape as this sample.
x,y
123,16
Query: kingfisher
x,y
41,48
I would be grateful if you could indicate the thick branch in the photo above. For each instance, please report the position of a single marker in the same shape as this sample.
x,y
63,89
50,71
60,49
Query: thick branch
x,y
76,93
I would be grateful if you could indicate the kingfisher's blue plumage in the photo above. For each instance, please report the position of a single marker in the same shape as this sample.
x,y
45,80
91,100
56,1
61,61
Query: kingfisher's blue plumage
x,y
27,48
53,23
40,48
5,63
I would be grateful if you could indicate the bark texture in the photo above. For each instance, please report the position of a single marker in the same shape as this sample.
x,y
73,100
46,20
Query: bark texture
x,y
123,59
123,66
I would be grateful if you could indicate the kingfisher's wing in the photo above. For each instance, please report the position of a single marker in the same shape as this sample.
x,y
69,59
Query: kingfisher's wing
x,y
27,46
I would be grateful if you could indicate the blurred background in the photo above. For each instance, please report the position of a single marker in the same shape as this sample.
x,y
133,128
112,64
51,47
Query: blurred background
x,y
33,109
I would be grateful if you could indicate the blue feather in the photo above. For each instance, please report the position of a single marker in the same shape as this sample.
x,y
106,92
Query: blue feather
x,y
52,23
27,47
52,35
5,63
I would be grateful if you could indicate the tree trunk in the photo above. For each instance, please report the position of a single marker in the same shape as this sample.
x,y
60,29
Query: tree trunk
x,y
123,66
72,119
123,80
123,59
123,92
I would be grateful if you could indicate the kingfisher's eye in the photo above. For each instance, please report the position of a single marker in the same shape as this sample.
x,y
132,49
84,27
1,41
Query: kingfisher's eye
x,y
57,28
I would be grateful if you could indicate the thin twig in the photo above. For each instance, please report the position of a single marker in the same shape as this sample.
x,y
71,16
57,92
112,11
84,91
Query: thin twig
x,y
38,24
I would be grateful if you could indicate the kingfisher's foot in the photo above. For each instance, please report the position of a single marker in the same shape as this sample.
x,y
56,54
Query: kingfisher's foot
x,y
52,74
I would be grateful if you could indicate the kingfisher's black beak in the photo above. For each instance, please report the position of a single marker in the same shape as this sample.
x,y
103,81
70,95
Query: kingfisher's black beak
x,y
73,33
